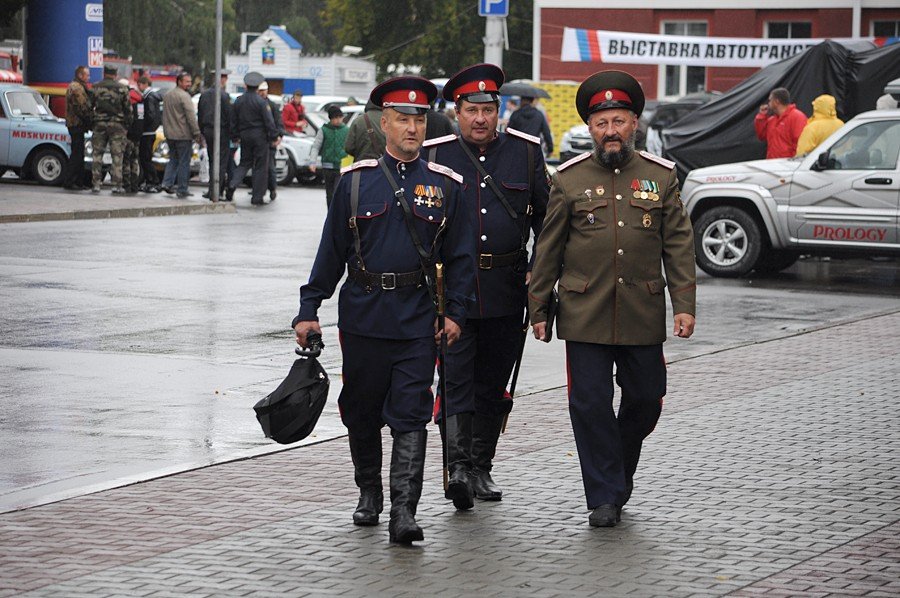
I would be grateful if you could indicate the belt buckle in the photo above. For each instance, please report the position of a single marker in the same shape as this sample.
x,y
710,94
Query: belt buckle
x,y
388,281
486,261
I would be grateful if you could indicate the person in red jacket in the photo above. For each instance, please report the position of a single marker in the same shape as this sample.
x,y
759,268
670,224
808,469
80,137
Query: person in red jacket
x,y
779,123
293,115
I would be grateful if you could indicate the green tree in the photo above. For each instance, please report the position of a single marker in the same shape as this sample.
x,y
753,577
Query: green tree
x,y
439,36
302,18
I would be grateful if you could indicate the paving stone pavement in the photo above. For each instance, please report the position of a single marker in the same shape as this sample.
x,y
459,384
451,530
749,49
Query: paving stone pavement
x,y
774,471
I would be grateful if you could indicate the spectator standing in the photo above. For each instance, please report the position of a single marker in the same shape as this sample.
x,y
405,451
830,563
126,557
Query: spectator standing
x,y
111,117
329,145
530,120
253,125
365,139
206,114
273,148
615,223
152,120
131,166
293,118
779,123
78,121
181,130
511,106
820,126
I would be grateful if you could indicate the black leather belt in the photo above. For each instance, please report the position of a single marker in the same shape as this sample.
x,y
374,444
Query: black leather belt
x,y
386,281
486,261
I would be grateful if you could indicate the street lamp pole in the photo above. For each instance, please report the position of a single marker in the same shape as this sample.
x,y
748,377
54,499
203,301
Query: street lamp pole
x,y
217,110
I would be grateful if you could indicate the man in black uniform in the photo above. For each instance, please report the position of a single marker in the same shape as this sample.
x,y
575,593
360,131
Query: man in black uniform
x,y
506,192
252,124
206,114
390,221
272,181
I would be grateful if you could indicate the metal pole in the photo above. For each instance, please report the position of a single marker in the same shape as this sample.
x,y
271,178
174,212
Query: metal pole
x,y
217,110
493,40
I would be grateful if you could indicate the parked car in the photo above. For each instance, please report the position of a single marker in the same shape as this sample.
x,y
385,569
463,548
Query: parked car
x,y
577,140
33,142
843,198
668,113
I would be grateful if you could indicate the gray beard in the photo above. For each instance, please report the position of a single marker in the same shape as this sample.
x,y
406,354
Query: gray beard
x,y
613,159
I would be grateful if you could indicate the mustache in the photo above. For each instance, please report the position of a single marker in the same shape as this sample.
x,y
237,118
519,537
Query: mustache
x,y
608,138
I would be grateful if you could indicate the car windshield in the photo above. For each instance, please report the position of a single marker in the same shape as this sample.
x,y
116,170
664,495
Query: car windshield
x,y
26,103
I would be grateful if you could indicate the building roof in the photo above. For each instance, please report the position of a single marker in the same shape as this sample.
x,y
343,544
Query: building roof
x,y
281,32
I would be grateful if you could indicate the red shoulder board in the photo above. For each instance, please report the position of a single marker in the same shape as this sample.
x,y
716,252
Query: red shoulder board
x,y
445,171
524,136
360,164
573,161
661,161
439,140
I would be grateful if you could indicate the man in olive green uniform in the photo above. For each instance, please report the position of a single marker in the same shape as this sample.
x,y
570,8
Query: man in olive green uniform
x,y
365,139
614,220
112,116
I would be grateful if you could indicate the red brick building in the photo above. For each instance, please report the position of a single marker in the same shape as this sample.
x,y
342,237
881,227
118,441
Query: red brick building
x,y
706,18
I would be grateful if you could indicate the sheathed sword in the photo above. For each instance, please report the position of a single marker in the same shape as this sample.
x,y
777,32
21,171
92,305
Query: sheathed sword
x,y
515,374
442,367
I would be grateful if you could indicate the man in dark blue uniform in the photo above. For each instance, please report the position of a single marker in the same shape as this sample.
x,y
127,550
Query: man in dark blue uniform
x,y
253,125
390,221
505,190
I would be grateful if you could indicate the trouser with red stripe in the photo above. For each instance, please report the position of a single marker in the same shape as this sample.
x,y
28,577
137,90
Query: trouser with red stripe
x,y
386,382
609,445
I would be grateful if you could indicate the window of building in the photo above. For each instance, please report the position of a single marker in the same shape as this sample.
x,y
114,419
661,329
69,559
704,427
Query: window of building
x,y
787,30
886,28
679,80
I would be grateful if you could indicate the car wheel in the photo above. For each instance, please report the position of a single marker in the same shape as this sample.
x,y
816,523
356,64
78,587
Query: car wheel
x,y
47,166
727,242
774,261
287,176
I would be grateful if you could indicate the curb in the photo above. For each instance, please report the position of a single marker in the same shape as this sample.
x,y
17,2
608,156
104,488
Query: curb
x,y
210,208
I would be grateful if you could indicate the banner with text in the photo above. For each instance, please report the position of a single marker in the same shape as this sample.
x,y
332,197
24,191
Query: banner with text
x,y
591,45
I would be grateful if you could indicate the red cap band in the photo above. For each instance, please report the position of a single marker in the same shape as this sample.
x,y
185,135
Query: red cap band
x,y
610,95
482,86
405,96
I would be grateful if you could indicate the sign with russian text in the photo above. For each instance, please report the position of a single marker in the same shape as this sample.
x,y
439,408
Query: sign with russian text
x,y
95,51
93,13
591,45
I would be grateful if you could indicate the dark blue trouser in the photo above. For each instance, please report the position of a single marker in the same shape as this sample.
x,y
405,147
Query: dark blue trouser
x,y
255,155
386,382
178,168
479,365
609,446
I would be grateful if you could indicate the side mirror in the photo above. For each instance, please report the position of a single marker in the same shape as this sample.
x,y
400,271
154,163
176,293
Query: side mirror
x,y
821,162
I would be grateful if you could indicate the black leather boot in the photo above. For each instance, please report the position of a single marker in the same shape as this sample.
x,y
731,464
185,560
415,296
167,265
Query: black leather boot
x,y
407,470
365,449
485,432
459,461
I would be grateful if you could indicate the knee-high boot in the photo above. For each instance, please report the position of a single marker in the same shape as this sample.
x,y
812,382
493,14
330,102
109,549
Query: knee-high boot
x,y
459,460
407,470
485,433
365,449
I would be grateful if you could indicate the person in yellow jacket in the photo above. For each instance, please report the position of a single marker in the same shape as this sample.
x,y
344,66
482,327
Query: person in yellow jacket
x,y
820,126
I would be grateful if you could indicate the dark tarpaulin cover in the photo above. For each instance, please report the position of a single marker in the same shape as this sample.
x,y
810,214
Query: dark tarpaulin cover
x,y
722,131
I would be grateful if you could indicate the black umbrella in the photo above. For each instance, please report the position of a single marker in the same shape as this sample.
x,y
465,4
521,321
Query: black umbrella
x,y
524,90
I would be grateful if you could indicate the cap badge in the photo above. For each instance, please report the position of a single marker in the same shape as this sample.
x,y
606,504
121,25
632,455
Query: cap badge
x,y
481,86
412,96
608,95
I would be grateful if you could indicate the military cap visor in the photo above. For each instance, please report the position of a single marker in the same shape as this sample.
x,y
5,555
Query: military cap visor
x,y
608,90
110,69
479,84
409,95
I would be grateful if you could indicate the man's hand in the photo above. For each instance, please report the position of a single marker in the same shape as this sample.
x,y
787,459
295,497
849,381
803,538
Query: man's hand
x,y
528,278
312,168
540,330
452,330
304,328
684,325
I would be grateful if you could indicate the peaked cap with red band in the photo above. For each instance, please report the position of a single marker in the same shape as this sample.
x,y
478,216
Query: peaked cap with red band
x,y
478,84
609,89
409,95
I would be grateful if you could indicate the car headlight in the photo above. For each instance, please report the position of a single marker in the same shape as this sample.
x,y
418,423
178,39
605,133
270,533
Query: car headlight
x,y
162,149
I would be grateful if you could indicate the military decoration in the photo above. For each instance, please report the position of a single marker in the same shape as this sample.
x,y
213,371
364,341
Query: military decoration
x,y
600,190
588,193
590,218
647,222
431,196
645,189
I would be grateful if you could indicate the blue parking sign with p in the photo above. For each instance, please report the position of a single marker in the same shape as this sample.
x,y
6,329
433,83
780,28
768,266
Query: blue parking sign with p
x,y
493,8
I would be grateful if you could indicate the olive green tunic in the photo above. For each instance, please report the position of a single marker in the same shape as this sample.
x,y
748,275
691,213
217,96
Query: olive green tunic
x,y
607,236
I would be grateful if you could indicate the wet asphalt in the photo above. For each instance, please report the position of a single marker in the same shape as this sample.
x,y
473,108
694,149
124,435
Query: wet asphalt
x,y
132,348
